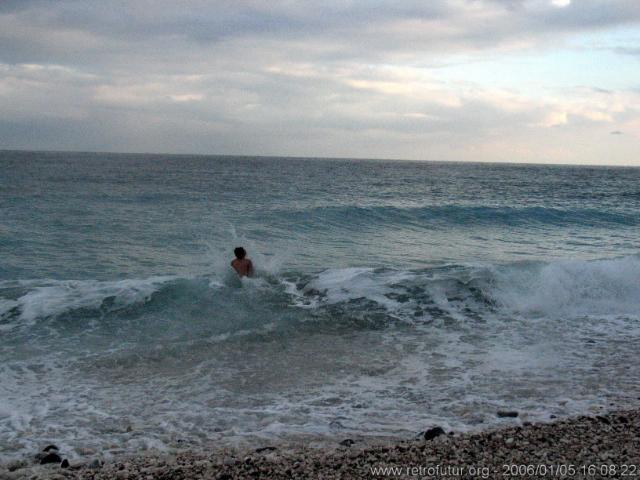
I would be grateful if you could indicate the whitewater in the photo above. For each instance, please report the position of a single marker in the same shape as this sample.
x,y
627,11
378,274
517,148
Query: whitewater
x,y
390,297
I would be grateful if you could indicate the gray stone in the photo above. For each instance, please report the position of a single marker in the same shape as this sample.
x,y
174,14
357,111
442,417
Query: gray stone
x,y
16,465
17,475
265,449
507,413
433,433
50,458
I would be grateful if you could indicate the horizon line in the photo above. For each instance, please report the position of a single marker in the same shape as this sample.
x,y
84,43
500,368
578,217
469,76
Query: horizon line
x,y
304,157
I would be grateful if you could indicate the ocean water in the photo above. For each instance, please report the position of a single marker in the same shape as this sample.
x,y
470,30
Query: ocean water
x,y
390,297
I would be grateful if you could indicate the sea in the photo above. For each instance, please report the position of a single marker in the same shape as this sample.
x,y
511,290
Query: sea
x,y
389,297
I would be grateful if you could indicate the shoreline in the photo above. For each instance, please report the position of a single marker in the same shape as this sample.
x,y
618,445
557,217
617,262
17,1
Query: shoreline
x,y
586,446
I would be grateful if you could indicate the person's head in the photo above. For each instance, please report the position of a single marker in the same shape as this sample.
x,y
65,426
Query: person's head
x,y
240,252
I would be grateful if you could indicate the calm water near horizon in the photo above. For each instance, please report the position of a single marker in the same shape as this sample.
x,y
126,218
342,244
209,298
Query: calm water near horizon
x,y
391,296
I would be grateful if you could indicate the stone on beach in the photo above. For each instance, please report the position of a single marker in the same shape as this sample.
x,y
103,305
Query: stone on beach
x,y
433,433
576,441
50,458
265,449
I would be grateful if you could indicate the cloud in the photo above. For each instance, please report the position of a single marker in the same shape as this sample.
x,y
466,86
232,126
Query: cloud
x,y
633,51
101,32
553,119
327,78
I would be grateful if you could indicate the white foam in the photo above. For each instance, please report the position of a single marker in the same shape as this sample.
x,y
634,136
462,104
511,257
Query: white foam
x,y
570,288
340,285
53,297
561,289
215,283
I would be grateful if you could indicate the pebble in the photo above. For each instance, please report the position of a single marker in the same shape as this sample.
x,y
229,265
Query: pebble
x,y
50,458
122,474
16,465
265,449
577,441
433,433
507,413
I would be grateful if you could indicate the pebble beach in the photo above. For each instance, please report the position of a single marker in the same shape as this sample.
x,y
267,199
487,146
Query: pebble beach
x,y
595,446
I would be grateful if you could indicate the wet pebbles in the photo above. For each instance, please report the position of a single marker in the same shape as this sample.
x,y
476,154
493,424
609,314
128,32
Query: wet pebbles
x,y
603,446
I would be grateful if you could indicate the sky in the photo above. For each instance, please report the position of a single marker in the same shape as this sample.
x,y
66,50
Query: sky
x,y
543,81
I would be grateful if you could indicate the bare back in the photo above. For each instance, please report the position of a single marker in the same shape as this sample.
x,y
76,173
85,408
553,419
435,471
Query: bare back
x,y
243,267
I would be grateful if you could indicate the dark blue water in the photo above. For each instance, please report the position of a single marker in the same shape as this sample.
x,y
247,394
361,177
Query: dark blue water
x,y
389,295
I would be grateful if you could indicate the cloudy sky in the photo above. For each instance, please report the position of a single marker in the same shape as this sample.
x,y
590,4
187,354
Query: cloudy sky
x,y
553,81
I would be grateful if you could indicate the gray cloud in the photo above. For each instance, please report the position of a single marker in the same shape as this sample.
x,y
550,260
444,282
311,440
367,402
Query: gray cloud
x,y
96,32
326,78
633,51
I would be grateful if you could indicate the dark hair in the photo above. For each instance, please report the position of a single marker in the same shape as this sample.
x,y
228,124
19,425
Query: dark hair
x,y
240,252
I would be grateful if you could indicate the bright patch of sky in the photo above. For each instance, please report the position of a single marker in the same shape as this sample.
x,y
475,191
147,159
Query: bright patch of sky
x,y
593,60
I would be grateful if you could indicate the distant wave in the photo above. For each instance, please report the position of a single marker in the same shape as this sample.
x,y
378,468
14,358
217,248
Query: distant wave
x,y
454,215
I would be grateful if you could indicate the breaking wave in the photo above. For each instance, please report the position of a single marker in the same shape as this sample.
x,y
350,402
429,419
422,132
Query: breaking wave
x,y
555,289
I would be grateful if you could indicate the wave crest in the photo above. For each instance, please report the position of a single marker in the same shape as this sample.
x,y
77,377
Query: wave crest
x,y
435,215
562,289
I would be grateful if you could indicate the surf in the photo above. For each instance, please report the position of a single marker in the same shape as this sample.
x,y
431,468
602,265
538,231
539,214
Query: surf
x,y
566,289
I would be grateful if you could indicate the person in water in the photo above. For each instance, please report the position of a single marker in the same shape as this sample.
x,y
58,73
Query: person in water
x,y
242,265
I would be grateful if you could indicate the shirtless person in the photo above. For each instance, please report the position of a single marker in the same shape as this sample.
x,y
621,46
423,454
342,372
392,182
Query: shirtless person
x,y
241,265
